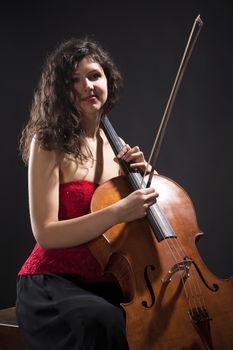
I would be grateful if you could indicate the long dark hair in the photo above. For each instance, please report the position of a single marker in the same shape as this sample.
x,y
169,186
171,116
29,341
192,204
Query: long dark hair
x,y
54,120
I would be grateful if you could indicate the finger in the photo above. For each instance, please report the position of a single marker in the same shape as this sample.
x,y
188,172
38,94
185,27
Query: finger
x,y
127,151
133,150
124,150
137,165
152,194
130,156
149,190
151,198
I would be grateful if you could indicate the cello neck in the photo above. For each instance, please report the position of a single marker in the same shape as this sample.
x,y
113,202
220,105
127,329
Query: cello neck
x,y
116,143
158,222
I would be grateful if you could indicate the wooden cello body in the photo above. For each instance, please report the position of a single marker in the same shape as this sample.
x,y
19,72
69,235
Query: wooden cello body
x,y
171,299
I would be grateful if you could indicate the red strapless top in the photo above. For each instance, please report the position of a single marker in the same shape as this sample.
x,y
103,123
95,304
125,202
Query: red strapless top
x,y
74,201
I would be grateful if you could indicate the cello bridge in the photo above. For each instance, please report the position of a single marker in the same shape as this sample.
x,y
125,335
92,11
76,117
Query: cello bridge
x,y
183,266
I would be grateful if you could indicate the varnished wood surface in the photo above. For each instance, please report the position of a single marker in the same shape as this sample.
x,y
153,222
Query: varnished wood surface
x,y
129,249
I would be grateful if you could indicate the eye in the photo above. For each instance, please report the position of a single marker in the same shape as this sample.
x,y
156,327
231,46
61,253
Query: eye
x,y
95,76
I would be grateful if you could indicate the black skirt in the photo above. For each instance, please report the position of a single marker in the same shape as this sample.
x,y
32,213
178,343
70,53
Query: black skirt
x,y
61,312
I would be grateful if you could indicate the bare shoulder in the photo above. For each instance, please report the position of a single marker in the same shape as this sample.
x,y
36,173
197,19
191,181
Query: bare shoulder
x,y
36,151
43,163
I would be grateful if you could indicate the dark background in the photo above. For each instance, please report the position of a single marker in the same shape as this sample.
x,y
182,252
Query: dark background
x,y
146,39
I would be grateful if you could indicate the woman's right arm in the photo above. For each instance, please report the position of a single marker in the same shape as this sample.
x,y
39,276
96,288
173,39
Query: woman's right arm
x,y
51,233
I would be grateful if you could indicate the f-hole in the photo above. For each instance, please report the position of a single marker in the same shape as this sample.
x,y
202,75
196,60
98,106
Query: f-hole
x,y
149,286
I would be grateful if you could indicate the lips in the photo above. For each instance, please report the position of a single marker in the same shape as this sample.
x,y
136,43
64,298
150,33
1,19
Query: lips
x,y
89,98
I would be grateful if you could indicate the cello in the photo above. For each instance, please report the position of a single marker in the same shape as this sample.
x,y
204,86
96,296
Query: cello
x,y
171,299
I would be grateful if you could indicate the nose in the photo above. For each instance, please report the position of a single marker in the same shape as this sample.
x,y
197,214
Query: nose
x,y
88,85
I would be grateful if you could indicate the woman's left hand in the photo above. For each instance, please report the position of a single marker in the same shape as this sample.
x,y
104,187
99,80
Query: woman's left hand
x,y
134,156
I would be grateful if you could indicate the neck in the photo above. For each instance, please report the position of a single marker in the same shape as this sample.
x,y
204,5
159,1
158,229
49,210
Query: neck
x,y
91,125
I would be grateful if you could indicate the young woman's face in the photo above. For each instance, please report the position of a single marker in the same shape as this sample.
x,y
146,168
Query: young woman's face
x,y
91,88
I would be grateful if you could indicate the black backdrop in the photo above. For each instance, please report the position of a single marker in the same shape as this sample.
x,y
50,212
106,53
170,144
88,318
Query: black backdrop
x,y
147,40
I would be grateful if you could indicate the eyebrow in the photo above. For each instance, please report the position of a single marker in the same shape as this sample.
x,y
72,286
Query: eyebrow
x,y
91,71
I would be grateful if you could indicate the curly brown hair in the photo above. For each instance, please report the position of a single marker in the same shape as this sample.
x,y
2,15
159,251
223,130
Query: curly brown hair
x,y
53,117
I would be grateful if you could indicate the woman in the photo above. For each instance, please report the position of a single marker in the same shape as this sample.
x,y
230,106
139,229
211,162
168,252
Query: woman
x,y
63,299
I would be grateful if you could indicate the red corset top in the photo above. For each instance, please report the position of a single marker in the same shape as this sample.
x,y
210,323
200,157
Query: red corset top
x,y
74,201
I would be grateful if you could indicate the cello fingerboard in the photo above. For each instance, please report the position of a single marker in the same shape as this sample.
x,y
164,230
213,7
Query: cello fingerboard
x,y
158,221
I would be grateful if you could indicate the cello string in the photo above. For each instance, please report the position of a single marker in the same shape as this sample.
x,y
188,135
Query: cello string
x,y
178,253
191,285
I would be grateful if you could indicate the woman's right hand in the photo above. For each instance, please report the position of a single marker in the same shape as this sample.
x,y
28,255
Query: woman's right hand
x,y
136,204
